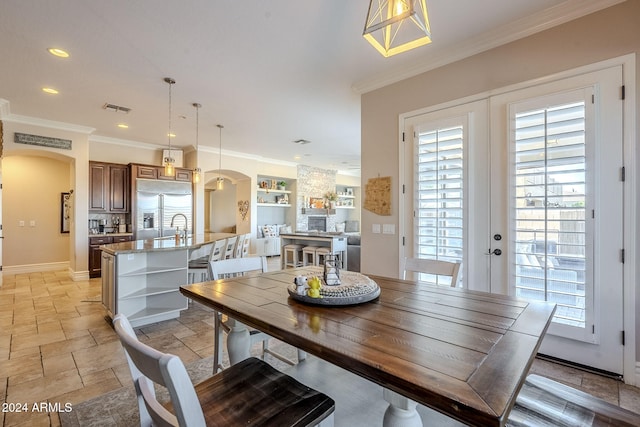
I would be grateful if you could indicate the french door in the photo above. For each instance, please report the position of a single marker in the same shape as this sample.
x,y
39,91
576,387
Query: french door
x,y
525,189
560,199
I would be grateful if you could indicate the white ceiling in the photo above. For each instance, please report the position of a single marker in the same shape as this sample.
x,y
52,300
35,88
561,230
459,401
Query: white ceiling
x,y
270,71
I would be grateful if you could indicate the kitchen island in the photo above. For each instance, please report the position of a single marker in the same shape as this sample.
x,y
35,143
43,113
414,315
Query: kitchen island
x,y
141,278
336,242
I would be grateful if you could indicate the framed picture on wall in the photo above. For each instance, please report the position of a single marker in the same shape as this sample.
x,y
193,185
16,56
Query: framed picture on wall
x,y
65,212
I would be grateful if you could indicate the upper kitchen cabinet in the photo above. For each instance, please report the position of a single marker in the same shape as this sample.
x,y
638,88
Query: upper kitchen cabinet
x,y
109,187
157,172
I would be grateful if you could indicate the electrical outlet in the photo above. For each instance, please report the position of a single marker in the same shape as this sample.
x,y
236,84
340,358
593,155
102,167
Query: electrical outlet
x,y
32,223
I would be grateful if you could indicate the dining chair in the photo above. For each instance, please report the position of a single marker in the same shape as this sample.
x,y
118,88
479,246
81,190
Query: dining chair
x,y
246,243
251,392
431,266
201,265
237,250
230,247
232,268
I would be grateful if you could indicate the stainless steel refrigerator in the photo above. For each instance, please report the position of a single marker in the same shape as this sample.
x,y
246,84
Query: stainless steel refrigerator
x,y
156,203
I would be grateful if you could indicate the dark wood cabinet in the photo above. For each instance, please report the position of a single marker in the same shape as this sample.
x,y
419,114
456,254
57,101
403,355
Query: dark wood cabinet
x,y
98,186
109,187
157,172
119,185
95,254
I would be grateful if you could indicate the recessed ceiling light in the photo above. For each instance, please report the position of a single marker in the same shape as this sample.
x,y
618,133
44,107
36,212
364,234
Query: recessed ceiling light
x,y
171,135
123,126
58,52
50,90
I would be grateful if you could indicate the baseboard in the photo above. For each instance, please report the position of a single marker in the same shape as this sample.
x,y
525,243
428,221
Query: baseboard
x,y
36,268
77,276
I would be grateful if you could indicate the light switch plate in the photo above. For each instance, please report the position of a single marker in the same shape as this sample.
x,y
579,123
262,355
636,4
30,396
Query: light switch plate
x,y
375,228
388,229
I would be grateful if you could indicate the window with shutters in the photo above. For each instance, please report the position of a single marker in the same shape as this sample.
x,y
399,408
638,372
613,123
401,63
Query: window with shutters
x,y
551,201
438,187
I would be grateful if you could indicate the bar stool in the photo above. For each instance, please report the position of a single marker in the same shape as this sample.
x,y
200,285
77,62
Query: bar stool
x,y
322,252
292,255
309,255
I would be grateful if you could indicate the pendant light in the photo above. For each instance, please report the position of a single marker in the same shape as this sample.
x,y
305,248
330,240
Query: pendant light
x,y
220,180
197,171
395,26
169,167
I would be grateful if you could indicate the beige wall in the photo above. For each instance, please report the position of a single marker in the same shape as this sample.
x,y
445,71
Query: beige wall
x,y
75,253
607,34
32,187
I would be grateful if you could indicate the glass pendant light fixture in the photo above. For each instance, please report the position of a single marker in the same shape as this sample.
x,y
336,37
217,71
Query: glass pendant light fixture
x,y
197,171
220,180
395,26
169,161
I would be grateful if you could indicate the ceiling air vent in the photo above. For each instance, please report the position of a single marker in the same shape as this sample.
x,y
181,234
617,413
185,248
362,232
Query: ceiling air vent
x,y
301,141
116,108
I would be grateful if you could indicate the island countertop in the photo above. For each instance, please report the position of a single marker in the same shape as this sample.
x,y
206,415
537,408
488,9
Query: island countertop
x,y
164,243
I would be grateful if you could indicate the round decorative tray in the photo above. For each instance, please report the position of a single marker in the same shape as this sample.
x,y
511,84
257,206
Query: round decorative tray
x,y
355,288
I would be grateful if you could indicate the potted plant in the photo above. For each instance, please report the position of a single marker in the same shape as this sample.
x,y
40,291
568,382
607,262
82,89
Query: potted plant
x,y
282,185
332,198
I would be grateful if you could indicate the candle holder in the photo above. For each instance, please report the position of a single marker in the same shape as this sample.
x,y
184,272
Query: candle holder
x,y
331,270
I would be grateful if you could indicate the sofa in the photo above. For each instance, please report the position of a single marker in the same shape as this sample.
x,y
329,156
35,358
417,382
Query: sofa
x,y
352,229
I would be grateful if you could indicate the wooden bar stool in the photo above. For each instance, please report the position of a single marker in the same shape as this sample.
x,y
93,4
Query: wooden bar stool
x,y
322,252
309,255
292,255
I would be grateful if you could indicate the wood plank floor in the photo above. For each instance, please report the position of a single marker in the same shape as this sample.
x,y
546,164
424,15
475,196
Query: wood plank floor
x,y
57,348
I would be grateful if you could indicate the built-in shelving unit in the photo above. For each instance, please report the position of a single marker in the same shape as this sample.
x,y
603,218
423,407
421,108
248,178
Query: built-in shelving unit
x,y
271,198
145,285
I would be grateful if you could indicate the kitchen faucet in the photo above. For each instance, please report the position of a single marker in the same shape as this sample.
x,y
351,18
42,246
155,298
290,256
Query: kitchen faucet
x,y
185,222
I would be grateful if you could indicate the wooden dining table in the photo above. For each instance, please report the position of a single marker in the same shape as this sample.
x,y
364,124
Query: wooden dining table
x,y
463,353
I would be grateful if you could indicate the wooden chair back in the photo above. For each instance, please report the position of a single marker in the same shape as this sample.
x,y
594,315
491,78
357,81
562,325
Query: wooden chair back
x,y
246,243
238,248
237,266
217,252
230,247
431,266
148,366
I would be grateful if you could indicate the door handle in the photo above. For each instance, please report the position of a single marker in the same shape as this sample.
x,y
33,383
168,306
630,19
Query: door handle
x,y
494,252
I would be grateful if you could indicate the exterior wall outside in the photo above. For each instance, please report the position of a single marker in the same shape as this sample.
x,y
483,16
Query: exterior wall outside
x,y
561,48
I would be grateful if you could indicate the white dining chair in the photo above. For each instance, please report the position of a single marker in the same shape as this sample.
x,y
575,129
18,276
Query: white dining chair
x,y
229,251
241,395
235,267
200,266
237,250
431,266
246,243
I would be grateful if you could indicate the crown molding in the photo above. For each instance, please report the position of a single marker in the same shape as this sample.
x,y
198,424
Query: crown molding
x,y
124,142
548,18
4,108
50,124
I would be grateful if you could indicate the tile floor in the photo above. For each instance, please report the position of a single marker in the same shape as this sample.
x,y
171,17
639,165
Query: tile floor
x,y
57,348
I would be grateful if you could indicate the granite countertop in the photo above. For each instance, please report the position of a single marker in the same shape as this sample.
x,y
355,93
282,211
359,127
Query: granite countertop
x,y
315,234
164,244
109,234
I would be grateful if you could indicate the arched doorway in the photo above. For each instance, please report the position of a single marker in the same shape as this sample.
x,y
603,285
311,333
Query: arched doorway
x,y
223,208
